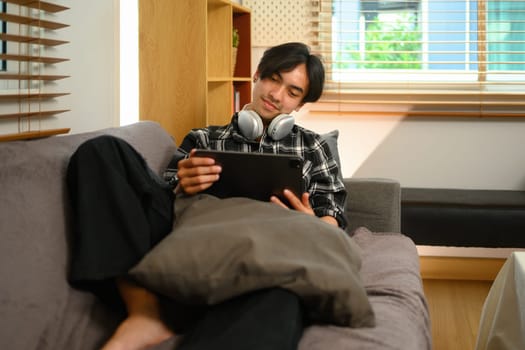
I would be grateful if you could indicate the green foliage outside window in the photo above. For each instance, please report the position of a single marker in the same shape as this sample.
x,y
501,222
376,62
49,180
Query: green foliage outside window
x,y
388,45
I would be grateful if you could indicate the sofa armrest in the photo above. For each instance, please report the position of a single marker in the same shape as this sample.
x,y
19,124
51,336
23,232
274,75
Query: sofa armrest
x,y
373,203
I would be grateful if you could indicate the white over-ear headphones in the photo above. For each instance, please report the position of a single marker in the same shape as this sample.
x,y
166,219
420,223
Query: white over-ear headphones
x,y
251,125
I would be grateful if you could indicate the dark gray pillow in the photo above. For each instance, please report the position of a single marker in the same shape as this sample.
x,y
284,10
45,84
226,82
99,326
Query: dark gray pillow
x,y
331,139
223,248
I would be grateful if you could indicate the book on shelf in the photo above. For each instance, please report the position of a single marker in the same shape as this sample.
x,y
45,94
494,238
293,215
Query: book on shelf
x,y
236,100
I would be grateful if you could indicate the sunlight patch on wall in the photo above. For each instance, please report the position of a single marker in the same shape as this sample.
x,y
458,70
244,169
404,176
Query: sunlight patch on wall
x,y
359,136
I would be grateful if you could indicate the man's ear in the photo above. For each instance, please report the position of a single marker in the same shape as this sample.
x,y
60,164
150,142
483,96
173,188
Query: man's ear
x,y
255,76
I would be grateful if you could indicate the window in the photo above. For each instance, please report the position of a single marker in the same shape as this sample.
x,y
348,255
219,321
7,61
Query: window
x,y
425,57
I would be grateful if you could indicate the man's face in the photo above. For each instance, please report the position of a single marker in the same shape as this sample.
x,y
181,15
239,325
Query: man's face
x,y
281,93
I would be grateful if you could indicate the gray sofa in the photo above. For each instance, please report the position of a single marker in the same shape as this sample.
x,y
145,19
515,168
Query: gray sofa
x,y
39,310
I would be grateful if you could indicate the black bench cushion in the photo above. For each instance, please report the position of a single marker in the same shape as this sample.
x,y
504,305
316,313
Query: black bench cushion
x,y
464,218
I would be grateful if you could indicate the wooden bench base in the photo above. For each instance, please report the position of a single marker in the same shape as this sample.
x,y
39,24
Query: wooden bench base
x,y
456,289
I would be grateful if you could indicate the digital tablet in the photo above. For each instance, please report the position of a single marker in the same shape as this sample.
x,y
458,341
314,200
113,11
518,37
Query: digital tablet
x,y
255,175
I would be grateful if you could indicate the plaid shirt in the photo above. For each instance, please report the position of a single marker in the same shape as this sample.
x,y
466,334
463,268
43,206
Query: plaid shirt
x,y
320,171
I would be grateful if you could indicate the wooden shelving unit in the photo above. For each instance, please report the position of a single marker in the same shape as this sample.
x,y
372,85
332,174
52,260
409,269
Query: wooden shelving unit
x,y
185,59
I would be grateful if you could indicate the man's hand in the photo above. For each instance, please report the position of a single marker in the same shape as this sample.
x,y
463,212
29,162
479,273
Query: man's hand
x,y
196,174
302,205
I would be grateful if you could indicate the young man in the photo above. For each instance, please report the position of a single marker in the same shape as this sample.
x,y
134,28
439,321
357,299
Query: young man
x,y
115,231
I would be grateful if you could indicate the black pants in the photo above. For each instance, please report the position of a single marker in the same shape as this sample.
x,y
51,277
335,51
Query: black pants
x,y
121,210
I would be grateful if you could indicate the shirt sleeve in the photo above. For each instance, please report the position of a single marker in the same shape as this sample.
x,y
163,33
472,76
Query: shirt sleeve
x,y
327,191
189,142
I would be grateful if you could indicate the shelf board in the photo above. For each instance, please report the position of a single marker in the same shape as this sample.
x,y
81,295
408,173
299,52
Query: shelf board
x,y
28,135
238,8
220,2
25,58
228,79
39,5
30,21
18,96
31,40
219,79
242,79
38,114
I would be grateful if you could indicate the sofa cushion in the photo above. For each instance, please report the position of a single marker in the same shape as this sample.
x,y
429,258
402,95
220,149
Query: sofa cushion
x,y
221,248
373,203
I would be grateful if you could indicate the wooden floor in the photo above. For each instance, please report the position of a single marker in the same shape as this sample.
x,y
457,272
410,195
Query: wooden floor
x,y
455,309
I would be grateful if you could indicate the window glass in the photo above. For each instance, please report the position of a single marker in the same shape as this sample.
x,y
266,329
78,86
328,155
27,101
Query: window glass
x,y
505,35
427,40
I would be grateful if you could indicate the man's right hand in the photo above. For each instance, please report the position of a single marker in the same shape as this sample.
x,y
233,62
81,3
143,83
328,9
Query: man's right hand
x,y
196,174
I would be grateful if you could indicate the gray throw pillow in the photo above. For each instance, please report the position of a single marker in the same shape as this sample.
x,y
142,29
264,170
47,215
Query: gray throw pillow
x,y
222,248
331,139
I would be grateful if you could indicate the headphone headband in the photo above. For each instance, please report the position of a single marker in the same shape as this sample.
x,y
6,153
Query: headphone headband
x,y
251,125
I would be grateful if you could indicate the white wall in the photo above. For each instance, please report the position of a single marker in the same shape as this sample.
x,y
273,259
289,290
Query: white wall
x,y
129,63
440,153
94,52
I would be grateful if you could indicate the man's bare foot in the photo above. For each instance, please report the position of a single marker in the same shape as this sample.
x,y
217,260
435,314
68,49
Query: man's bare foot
x,y
138,332
143,328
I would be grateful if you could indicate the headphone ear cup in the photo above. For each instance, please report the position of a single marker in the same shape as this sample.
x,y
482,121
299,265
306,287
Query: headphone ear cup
x,y
250,124
281,126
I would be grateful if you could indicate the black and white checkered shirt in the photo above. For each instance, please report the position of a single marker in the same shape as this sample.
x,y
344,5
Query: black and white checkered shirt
x,y
320,170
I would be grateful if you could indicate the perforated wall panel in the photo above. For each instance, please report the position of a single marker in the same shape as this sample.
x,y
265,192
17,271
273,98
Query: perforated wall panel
x,y
278,21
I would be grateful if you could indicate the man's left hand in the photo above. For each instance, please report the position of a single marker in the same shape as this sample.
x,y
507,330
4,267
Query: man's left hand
x,y
302,205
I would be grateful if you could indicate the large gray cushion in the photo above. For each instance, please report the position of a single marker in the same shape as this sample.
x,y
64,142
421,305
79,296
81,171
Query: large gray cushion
x,y
222,248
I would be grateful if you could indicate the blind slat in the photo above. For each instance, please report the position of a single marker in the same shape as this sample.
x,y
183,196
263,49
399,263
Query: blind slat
x,y
32,77
27,58
37,114
26,135
26,20
24,96
39,5
31,40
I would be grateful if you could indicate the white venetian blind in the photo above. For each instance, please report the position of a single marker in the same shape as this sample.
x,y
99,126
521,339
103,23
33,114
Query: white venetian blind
x,y
424,57
29,71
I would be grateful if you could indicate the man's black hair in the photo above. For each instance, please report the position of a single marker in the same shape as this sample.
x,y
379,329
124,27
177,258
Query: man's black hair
x,y
285,57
